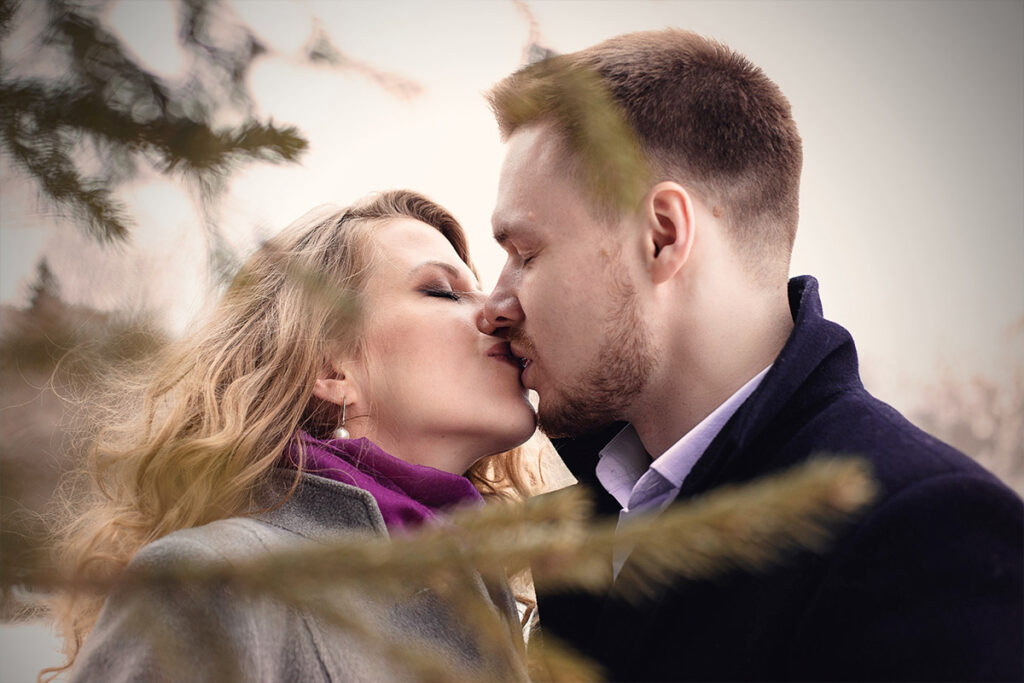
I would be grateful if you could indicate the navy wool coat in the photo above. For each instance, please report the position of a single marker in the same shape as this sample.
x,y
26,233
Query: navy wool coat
x,y
927,585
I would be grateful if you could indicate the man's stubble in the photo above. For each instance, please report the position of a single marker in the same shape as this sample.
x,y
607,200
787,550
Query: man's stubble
x,y
616,376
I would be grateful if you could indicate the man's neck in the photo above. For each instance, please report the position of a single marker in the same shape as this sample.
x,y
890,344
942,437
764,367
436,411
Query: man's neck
x,y
706,364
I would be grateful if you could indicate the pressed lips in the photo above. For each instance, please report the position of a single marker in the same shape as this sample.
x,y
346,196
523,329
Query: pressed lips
x,y
503,352
521,360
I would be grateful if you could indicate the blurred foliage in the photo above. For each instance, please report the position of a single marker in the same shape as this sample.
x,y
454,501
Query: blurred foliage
x,y
23,535
534,49
608,157
749,527
49,352
81,129
982,416
49,332
320,50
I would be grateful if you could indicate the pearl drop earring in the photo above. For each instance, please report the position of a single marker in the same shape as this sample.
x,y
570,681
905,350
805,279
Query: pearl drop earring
x,y
341,432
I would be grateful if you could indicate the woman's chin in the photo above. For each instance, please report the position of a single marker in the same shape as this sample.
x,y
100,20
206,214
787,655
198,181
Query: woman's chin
x,y
521,435
526,420
507,440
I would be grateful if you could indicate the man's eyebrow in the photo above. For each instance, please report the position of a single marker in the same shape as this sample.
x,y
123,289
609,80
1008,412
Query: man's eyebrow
x,y
506,231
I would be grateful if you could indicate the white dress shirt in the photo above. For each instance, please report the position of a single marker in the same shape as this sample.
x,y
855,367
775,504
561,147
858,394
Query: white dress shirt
x,y
642,486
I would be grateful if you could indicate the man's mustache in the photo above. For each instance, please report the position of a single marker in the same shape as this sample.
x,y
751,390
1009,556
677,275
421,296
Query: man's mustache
x,y
522,342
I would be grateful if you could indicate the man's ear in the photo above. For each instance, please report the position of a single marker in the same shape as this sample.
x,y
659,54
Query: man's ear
x,y
335,386
671,223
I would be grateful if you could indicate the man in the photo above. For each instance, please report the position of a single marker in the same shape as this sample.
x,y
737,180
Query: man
x,y
648,207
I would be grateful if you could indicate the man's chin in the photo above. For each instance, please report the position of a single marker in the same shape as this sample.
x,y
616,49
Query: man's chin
x,y
562,421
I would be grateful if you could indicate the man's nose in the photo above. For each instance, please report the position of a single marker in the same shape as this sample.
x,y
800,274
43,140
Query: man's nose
x,y
501,311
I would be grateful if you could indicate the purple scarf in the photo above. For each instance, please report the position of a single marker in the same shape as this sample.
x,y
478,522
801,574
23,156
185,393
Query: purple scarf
x,y
406,494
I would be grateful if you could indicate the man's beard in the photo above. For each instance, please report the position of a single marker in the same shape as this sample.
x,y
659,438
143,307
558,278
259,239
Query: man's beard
x,y
616,377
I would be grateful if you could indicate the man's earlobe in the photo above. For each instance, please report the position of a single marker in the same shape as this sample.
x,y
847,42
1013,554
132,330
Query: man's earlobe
x,y
672,228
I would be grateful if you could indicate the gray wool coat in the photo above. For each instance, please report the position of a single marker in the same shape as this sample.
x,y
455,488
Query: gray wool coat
x,y
176,634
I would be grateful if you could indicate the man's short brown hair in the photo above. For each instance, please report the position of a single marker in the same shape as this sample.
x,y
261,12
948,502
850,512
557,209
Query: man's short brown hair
x,y
700,113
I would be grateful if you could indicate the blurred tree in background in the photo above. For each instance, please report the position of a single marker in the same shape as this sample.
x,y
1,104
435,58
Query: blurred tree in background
x,y
51,353
982,415
81,125
81,117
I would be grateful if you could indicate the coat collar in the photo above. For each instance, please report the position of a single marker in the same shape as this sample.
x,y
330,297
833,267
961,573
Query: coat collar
x,y
318,508
818,361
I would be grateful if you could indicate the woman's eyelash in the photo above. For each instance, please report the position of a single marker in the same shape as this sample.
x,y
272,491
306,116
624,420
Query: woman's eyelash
x,y
442,293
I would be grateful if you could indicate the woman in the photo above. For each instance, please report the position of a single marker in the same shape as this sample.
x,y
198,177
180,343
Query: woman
x,y
341,387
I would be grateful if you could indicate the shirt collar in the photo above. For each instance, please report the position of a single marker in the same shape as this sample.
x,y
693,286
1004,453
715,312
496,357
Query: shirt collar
x,y
621,464
624,461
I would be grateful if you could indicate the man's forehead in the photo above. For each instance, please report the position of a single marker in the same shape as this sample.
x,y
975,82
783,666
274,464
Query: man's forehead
x,y
514,210
527,185
535,144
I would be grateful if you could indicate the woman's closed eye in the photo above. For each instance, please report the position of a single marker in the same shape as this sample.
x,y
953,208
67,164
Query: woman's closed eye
x,y
442,292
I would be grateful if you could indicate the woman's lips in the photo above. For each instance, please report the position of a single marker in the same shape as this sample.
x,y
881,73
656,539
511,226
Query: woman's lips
x,y
503,352
521,358
523,362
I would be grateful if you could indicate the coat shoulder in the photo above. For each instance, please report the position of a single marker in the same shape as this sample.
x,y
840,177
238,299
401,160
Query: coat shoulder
x,y
223,540
901,454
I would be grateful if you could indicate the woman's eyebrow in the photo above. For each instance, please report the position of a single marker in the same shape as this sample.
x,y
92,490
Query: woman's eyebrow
x,y
456,273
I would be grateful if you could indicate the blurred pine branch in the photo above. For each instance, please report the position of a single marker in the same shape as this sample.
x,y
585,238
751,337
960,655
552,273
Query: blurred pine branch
x,y
748,527
80,132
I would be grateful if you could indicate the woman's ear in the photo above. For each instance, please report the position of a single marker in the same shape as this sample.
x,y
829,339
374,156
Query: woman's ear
x,y
671,227
335,386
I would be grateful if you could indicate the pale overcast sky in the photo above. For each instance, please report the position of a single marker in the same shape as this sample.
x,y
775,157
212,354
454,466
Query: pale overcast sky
x,y
911,115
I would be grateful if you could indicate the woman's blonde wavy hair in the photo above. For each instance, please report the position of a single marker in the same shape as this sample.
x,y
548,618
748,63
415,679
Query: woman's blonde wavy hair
x,y
194,437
